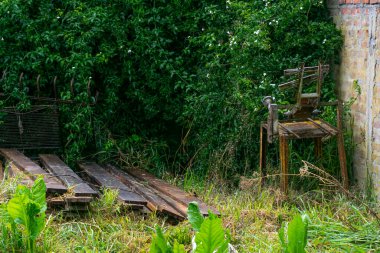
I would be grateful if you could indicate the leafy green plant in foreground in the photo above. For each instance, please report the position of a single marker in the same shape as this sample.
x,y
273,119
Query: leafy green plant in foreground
x,y
210,235
293,235
25,213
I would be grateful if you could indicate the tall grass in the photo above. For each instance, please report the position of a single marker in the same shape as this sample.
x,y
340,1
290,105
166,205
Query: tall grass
x,y
253,216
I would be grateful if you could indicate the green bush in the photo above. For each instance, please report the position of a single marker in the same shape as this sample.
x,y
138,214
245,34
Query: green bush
x,y
179,82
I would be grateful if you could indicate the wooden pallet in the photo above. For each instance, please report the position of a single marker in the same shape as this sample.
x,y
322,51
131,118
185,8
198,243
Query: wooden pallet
x,y
155,202
105,180
160,196
67,176
179,196
32,170
64,188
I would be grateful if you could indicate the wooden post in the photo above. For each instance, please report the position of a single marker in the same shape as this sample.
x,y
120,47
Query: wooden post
x,y
284,161
263,154
318,148
342,152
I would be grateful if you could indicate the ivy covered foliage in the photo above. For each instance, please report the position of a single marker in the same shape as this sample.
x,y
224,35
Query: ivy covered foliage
x,y
180,82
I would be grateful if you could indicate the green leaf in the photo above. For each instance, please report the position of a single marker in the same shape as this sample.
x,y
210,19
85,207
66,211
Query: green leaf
x,y
297,235
38,193
16,209
294,238
159,243
27,208
194,215
211,237
178,248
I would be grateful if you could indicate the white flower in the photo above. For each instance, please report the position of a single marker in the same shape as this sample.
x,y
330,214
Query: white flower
x,y
257,32
129,51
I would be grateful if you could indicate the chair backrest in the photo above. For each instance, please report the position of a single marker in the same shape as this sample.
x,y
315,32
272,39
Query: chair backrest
x,y
303,77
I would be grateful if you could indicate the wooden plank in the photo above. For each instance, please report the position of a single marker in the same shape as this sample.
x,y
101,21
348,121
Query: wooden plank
x,y
32,170
107,180
284,160
13,171
171,190
341,150
155,201
66,175
263,154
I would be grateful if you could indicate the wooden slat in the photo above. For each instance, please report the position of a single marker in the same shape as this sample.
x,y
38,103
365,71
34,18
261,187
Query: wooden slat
x,y
307,129
13,171
66,175
70,203
32,170
107,180
156,202
170,190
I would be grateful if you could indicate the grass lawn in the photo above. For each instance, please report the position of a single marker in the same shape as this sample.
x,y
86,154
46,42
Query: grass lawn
x,y
253,216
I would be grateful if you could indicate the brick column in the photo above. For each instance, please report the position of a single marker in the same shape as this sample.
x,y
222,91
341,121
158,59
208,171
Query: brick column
x,y
359,21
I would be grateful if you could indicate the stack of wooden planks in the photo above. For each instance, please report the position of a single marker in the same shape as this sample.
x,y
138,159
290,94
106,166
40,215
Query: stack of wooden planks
x,y
65,189
142,188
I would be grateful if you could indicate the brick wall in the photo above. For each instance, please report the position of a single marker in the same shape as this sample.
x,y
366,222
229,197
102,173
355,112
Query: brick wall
x,y
359,21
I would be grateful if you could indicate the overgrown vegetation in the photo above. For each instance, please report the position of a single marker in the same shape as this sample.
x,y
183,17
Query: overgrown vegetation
x,y
180,86
180,82
252,217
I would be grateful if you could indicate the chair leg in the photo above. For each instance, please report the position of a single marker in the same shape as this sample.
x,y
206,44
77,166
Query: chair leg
x,y
341,151
263,154
318,148
284,161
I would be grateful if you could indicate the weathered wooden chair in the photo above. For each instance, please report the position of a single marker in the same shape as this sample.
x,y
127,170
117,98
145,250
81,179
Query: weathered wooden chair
x,y
302,121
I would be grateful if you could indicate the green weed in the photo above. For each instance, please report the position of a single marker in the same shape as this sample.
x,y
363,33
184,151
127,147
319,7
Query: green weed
x,y
24,216
209,237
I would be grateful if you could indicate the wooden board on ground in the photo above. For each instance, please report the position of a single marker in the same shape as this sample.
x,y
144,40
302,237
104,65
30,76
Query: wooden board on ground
x,y
32,170
171,190
156,202
13,171
67,176
107,180
69,203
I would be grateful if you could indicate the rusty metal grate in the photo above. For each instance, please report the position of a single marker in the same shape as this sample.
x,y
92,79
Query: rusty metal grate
x,y
36,128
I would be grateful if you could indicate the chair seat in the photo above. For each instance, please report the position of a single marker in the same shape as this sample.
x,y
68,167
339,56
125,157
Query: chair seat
x,y
304,129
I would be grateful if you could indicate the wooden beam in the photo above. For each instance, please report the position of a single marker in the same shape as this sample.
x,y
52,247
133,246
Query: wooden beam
x,y
284,160
67,176
156,201
171,191
263,153
107,180
32,170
